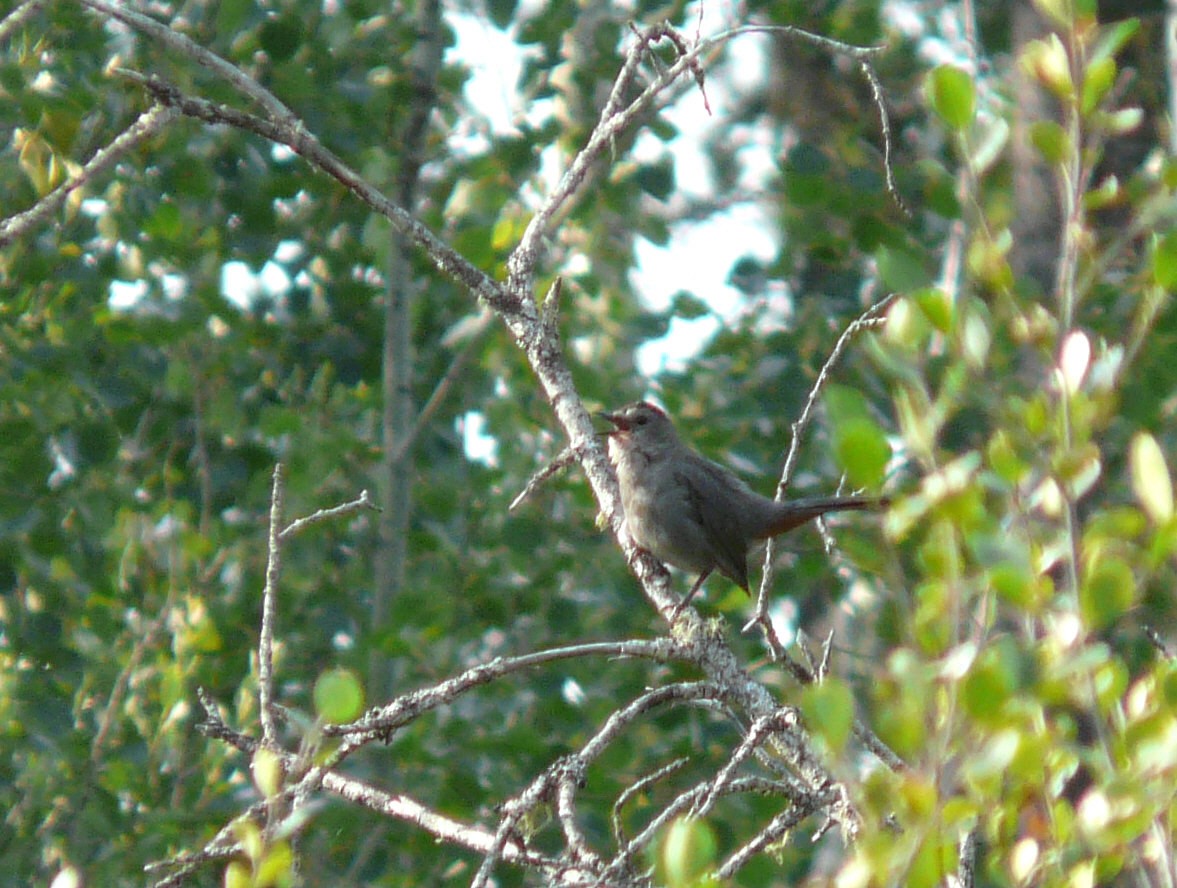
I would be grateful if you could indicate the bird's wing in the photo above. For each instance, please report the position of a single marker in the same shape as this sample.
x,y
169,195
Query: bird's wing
x,y
714,497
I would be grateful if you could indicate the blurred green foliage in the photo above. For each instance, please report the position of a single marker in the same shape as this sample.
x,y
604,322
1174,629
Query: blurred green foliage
x,y
998,634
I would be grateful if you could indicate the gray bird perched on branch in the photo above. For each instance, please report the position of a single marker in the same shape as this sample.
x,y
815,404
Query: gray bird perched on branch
x,y
692,513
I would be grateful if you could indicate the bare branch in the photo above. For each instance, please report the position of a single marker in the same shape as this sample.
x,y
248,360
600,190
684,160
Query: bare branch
x,y
382,721
966,871
188,48
437,396
214,726
872,317
775,831
639,786
759,731
298,139
404,808
145,127
363,501
18,16
558,783
265,670
562,460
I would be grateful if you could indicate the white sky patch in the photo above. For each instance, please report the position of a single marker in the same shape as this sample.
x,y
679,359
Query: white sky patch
x,y
700,255
174,286
697,260
239,284
126,295
274,280
288,251
495,63
476,443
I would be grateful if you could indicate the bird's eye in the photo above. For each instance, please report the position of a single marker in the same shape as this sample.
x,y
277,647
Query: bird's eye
x,y
640,419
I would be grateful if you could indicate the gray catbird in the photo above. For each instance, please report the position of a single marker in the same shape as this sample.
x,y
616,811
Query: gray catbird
x,y
688,511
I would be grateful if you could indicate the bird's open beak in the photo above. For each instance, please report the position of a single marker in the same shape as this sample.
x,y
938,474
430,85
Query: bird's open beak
x,y
613,419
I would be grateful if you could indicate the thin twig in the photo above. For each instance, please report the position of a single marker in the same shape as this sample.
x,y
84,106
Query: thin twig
x,y
566,457
777,828
437,396
145,127
215,727
1159,643
868,319
760,730
17,17
363,501
639,786
265,671
201,55
380,722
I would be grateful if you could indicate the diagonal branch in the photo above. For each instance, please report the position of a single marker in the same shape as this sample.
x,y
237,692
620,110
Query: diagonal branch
x,y
144,128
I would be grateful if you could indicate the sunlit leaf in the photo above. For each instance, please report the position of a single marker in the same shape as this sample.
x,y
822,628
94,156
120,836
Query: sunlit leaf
x,y
828,707
1150,477
1107,592
952,95
1164,261
339,696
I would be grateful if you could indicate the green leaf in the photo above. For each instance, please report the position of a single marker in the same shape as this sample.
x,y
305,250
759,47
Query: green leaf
x,y
862,451
828,708
281,37
1046,61
276,867
688,306
1051,140
1121,122
1164,261
1108,192
267,772
231,15
936,304
1014,583
1099,78
1151,481
238,874
952,95
1108,591
501,12
901,269
992,682
339,696
1057,11
845,403
688,851
165,223
806,160
657,179
1112,39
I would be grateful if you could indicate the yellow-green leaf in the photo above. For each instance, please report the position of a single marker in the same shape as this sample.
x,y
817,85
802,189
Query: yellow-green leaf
x,y
952,95
828,708
862,451
1099,79
339,696
267,772
936,304
1051,140
687,852
1150,478
1164,261
1107,593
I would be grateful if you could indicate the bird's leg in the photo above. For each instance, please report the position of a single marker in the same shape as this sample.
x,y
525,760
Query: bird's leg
x,y
681,606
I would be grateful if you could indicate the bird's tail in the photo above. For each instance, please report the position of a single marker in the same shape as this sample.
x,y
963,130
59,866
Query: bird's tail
x,y
797,512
